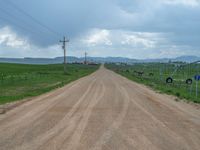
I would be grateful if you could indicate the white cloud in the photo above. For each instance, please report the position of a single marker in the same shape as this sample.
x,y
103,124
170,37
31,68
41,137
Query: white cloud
x,y
10,39
136,40
121,38
183,2
98,36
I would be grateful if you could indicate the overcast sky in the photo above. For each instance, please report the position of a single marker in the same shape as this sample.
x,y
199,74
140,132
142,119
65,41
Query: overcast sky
x,y
125,28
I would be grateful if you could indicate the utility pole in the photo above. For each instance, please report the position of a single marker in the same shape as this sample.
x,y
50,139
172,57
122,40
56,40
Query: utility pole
x,y
64,41
85,57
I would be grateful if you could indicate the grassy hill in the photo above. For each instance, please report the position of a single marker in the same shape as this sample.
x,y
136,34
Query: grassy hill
x,y
18,81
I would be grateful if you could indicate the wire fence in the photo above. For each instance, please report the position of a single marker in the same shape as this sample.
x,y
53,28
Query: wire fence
x,y
156,75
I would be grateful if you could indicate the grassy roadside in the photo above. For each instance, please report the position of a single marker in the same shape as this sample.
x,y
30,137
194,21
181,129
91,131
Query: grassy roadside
x,y
18,81
178,88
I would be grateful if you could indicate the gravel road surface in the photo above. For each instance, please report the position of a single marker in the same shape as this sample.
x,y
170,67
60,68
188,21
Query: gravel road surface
x,y
103,111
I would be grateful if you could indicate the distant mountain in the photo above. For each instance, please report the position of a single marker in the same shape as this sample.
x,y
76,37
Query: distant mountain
x,y
72,59
188,58
57,60
29,60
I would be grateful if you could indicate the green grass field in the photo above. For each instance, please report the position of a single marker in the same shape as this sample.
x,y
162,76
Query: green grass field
x,y
19,81
155,75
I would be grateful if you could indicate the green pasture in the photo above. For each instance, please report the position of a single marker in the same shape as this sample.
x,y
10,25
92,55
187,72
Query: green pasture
x,y
18,81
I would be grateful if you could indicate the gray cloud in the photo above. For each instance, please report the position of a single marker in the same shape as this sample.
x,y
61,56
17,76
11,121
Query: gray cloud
x,y
173,25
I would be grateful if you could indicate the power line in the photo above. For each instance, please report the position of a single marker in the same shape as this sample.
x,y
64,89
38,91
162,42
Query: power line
x,y
27,27
32,18
17,25
22,27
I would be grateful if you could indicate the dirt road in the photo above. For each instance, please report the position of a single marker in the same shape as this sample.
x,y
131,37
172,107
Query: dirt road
x,y
103,111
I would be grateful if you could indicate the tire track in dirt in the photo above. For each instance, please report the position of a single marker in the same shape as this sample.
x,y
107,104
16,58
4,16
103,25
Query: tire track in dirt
x,y
138,141
116,123
55,131
73,122
74,141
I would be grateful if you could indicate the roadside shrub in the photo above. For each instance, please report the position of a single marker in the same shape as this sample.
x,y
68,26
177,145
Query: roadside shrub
x,y
169,91
178,94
